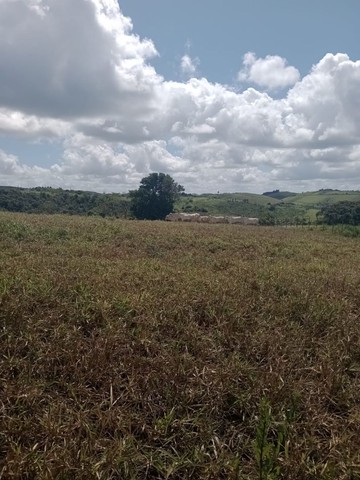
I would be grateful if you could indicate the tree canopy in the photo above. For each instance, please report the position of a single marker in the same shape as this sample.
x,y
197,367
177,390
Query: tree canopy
x,y
341,213
155,197
56,200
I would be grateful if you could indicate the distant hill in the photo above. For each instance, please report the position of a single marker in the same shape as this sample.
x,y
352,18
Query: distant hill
x,y
224,203
279,195
269,210
322,197
274,207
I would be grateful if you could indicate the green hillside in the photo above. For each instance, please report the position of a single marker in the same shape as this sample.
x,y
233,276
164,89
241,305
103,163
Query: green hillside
x,y
269,210
225,204
322,197
271,207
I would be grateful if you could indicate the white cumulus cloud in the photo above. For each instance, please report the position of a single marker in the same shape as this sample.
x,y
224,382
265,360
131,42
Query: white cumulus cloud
x,y
9,164
271,72
76,71
67,59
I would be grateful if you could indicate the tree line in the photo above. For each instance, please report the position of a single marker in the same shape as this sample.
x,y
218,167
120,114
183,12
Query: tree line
x,y
153,200
341,213
56,200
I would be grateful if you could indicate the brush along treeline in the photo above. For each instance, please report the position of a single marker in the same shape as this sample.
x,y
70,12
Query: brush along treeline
x,y
153,350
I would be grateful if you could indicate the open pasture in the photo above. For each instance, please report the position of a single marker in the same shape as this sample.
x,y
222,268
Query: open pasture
x,y
155,350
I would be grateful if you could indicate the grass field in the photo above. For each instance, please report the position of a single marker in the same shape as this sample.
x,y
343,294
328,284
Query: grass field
x,y
323,197
154,350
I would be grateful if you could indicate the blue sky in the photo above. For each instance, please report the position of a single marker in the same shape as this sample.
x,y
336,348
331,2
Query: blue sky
x,y
224,96
220,33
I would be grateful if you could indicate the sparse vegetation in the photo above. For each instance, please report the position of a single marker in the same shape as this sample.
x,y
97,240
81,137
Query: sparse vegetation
x,y
154,350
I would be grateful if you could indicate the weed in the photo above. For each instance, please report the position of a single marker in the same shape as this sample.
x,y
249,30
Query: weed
x,y
267,452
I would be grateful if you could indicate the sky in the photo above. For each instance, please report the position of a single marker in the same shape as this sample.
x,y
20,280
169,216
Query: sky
x,y
225,96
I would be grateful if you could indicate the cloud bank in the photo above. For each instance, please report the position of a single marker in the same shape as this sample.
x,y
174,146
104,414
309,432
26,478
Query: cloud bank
x,y
78,73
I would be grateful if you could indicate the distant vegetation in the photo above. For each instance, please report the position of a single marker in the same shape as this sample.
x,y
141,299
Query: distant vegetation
x,y
272,208
341,213
167,351
270,211
57,200
323,197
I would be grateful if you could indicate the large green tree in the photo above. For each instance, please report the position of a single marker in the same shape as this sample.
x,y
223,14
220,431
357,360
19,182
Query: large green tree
x,y
345,212
155,197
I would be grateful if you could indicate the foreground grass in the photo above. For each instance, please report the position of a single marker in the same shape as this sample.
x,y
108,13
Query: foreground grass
x,y
149,350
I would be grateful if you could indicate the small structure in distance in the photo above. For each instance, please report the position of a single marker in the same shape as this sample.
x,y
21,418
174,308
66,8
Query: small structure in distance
x,y
197,218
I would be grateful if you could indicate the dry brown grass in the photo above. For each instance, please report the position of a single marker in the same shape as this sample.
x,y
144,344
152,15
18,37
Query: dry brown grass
x,y
149,350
